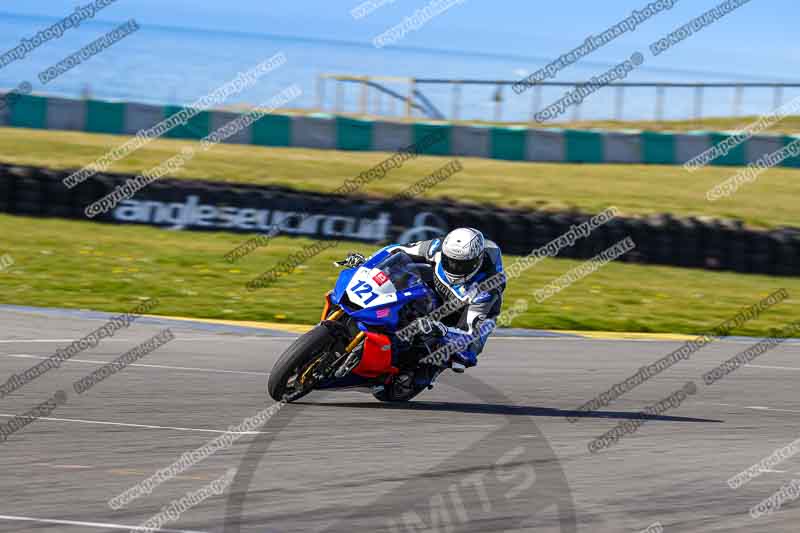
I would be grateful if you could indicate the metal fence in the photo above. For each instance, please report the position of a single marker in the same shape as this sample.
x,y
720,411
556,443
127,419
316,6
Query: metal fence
x,y
493,100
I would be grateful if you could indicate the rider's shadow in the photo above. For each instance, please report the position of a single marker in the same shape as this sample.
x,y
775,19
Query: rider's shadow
x,y
508,410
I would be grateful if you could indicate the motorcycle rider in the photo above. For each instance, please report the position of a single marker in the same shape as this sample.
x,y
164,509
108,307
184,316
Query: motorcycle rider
x,y
460,261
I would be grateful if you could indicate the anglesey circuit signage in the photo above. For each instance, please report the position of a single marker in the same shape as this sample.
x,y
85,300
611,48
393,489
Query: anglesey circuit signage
x,y
192,213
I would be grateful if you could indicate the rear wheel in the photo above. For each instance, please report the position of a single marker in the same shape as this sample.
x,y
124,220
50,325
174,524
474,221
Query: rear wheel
x,y
291,376
415,382
386,396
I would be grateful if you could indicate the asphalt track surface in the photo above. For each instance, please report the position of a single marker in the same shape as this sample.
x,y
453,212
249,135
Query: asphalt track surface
x,y
487,451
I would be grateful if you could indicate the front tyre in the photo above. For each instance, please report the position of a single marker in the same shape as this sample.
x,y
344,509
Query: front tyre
x,y
285,380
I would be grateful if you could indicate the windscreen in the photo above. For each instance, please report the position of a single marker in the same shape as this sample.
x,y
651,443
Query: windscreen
x,y
401,270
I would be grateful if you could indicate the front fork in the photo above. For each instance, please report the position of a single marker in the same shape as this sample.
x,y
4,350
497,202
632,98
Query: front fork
x,y
349,359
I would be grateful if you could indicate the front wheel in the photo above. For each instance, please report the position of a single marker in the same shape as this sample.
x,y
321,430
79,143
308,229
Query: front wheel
x,y
289,377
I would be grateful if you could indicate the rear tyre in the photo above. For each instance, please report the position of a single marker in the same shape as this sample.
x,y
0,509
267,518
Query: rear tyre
x,y
423,378
296,359
395,392
385,396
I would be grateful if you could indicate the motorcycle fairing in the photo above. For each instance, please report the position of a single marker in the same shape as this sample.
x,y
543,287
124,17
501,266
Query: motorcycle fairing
x,y
376,357
379,300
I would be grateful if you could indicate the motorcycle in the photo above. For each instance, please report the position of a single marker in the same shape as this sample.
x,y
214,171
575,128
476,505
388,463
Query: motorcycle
x,y
353,345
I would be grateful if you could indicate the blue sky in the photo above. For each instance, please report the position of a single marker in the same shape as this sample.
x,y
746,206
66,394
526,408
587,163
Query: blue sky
x,y
758,41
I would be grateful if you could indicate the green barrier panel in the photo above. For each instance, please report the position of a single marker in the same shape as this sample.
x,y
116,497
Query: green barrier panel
x,y
791,161
196,128
29,112
432,139
105,117
508,143
353,134
737,156
584,146
272,130
658,148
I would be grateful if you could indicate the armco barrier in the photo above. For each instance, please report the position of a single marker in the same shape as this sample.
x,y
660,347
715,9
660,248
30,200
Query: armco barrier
x,y
213,206
324,131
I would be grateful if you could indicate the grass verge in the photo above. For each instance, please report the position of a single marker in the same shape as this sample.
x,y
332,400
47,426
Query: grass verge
x,y
84,265
770,201
790,124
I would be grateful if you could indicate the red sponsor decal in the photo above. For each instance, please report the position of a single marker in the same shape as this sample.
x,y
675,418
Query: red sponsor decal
x,y
381,313
380,278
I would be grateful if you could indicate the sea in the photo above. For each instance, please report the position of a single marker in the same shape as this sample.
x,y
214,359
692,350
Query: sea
x,y
177,66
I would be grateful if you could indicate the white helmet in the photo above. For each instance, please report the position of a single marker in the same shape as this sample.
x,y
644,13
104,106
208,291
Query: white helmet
x,y
462,254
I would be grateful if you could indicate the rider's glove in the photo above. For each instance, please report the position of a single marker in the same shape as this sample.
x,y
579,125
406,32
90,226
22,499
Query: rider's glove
x,y
352,260
429,328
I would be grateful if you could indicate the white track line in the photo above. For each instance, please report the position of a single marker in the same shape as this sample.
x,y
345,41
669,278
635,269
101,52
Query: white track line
x,y
10,341
17,341
92,524
772,367
143,426
753,407
199,339
166,367
66,467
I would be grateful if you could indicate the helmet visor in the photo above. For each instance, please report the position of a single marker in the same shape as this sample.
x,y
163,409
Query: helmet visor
x,y
461,267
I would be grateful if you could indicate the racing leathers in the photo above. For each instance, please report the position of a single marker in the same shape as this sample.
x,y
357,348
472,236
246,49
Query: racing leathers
x,y
472,321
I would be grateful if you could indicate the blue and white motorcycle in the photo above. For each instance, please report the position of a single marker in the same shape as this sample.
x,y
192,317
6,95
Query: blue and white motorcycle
x,y
354,343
